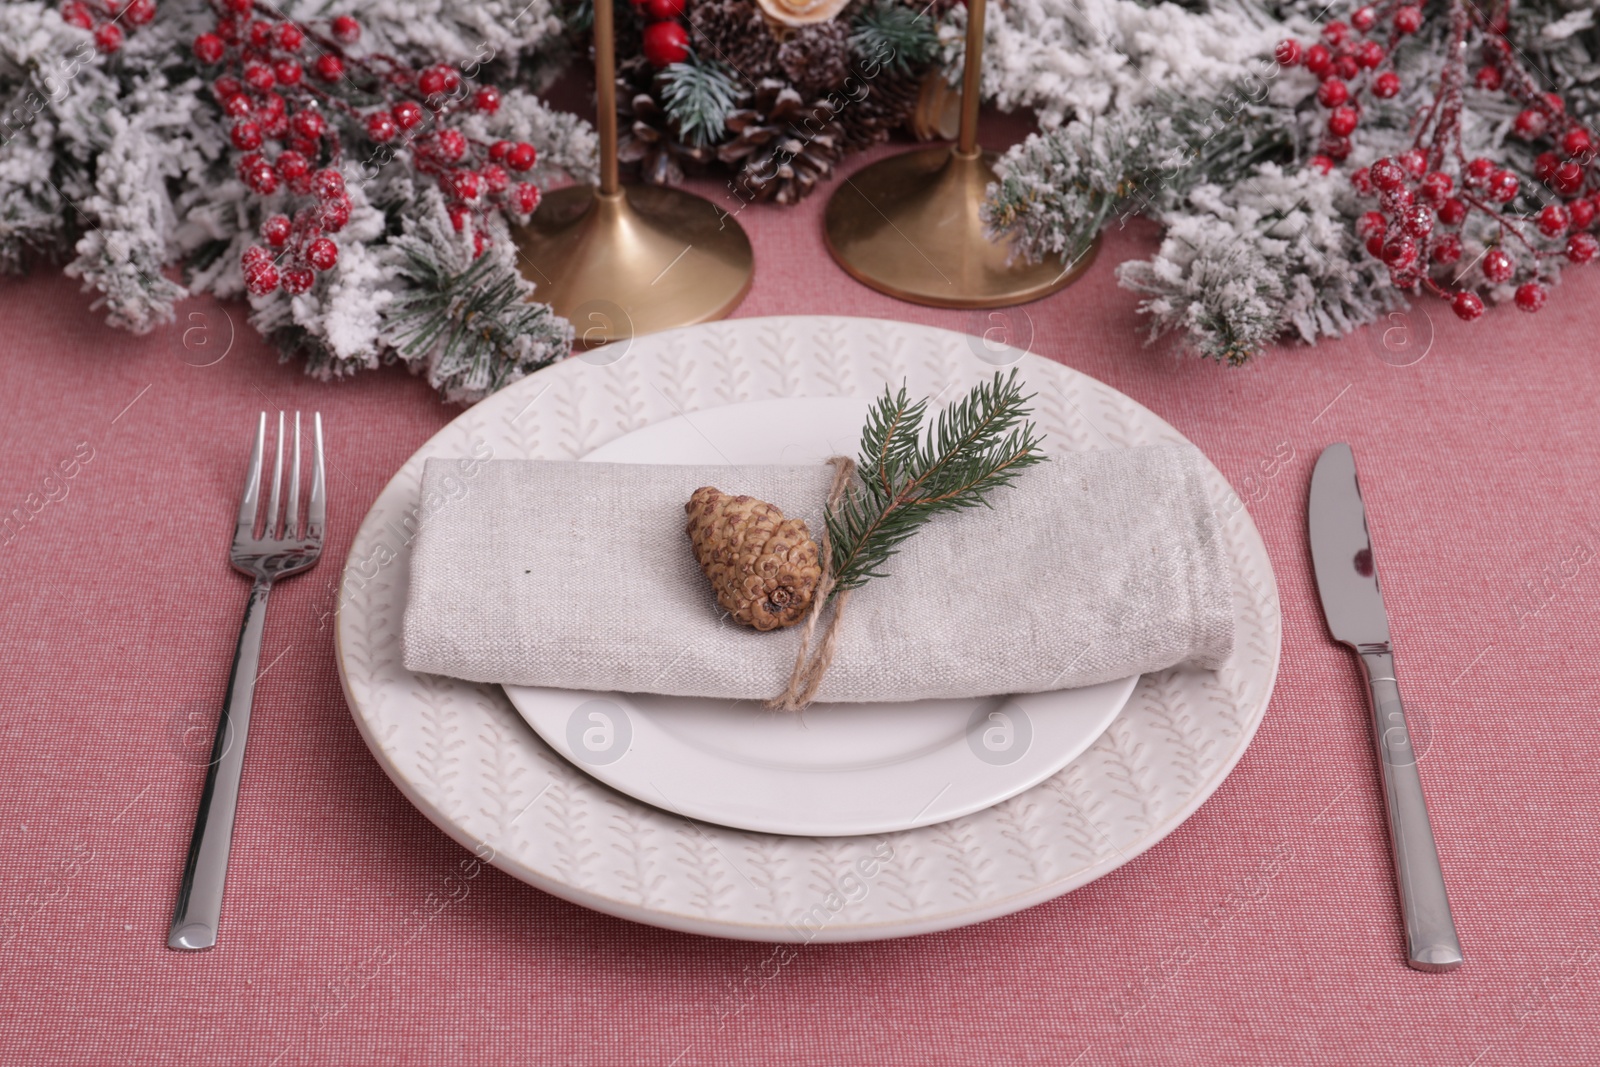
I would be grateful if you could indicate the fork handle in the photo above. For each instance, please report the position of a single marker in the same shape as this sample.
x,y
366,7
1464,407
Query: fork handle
x,y
194,919
1431,941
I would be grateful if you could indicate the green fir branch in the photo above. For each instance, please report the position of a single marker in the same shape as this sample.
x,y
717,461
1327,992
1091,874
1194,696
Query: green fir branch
x,y
894,35
907,474
698,96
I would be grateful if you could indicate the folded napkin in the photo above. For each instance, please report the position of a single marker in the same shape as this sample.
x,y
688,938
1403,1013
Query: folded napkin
x,y
1093,566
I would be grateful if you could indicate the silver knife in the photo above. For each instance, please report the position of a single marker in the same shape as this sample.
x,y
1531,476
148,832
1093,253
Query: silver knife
x,y
1347,581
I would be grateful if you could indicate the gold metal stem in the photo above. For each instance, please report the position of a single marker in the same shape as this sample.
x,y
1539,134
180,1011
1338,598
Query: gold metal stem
x,y
971,79
605,79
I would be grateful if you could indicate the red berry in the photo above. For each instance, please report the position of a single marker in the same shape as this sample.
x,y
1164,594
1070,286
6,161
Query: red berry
x,y
1487,78
1531,297
290,37
431,82
237,106
1408,20
1581,247
1399,252
1375,246
460,214
1453,212
259,77
1319,60
1419,221
1361,180
495,179
462,184
1582,212
346,29
335,213
1372,224
225,87
665,9
276,230
1396,201
480,242
1364,18
1343,121
1467,306
381,127
297,280
1415,162
527,198
498,150
521,157
288,72
1498,266
1554,102
228,29
108,37
262,179
1369,54
1386,85
1447,248
1577,141
242,167
1503,186
246,136
1530,123
327,184
407,114
1288,53
309,149
76,13
1387,175
486,100
208,48
1321,164
1436,186
308,124
255,255
1479,171
261,34
1554,220
240,7
322,254
261,279
665,43
450,145
1335,32
1567,179
292,166
1332,92
1346,67
330,68
1336,148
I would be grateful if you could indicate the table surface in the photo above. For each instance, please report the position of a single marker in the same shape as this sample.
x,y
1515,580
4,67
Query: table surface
x,y
1265,930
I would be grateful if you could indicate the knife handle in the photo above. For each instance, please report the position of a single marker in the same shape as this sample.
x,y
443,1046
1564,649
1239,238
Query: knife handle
x,y
1431,941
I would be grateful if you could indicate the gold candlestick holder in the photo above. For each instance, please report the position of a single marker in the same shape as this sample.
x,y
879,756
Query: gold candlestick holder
x,y
909,226
619,261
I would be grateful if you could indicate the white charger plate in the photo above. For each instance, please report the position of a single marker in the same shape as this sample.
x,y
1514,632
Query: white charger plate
x,y
837,769
467,760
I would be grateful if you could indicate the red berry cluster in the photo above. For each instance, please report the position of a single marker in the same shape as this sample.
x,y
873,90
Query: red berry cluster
x,y
665,40
264,88
104,18
1421,204
1348,58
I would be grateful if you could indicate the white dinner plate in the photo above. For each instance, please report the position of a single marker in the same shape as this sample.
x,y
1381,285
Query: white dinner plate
x,y
836,769
461,753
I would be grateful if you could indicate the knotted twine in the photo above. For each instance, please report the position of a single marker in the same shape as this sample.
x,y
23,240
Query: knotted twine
x,y
809,668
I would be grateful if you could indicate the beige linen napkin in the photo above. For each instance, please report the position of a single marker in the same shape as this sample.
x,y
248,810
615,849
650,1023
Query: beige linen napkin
x,y
1093,566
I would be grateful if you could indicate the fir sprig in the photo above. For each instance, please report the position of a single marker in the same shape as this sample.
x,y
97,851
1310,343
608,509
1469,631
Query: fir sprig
x,y
894,35
908,476
698,95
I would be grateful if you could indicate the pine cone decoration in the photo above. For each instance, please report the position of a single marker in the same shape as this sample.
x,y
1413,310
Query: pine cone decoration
x,y
645,136
887,106
763,567
736,33
817,58
781,144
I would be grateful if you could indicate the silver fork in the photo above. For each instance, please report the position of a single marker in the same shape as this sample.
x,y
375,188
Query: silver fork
x,y
278,552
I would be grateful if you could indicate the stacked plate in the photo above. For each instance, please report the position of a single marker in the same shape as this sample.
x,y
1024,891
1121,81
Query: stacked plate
x,y
847,822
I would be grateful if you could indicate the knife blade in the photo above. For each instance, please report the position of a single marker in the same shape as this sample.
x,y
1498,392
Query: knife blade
x,y
1352,603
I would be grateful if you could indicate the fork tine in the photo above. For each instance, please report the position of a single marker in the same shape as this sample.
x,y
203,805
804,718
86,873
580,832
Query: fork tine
x,y
269,530
252,483
291,519
317,515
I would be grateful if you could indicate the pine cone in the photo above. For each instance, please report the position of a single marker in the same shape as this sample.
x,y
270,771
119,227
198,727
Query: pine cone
x,y
817,58
762,566
885,108
645,136
736,33
782,145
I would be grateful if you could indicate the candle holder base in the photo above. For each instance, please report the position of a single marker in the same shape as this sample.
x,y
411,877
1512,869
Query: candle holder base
x,y
908,226
644,259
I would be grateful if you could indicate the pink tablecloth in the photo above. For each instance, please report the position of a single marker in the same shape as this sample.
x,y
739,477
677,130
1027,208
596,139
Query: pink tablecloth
x,y
1263,931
